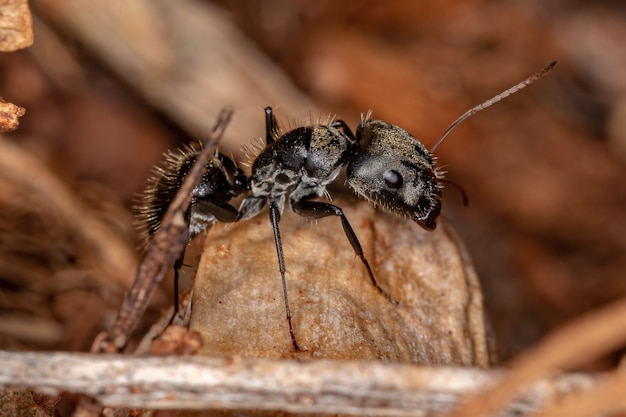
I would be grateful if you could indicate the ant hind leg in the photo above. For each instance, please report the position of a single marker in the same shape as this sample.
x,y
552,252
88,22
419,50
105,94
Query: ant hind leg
x,y
319,209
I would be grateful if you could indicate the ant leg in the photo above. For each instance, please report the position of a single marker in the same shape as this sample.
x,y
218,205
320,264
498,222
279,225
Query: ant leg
x,y
216,209
203,213
340,124
238,178
275,217
271,127
319,209
178,264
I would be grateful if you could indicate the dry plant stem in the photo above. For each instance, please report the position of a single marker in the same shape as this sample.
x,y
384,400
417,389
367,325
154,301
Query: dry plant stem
x,y
606,397
584,339
346,387
165,247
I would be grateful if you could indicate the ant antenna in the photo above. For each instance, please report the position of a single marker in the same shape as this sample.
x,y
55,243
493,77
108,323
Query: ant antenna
x,y
528,81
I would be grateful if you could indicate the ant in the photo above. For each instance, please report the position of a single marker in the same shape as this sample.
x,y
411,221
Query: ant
x,y
222,181
385,164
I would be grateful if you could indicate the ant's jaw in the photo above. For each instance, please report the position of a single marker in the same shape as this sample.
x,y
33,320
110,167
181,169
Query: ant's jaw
x,y
408,188
429,221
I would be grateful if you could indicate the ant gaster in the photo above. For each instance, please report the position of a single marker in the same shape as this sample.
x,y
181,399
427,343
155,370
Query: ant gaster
x,y
222,181
385,164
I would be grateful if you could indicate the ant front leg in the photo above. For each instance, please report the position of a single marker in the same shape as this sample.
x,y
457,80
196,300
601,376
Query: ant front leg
x,y
179,262
343,126
275,218
271,127
319,209
207,211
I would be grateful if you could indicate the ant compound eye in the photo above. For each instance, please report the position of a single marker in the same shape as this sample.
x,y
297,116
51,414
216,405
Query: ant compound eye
x,y
393,179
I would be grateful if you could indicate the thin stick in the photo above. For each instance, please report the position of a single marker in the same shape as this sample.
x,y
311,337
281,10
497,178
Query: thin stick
x,y
602,399
235,383
528,81
164,249
587,337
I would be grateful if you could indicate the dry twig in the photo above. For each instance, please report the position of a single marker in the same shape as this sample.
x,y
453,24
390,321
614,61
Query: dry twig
x,y
347,387
164,249
604,398
590,336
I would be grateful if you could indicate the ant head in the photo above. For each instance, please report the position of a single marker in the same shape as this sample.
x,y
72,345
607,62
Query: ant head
x,y
393,169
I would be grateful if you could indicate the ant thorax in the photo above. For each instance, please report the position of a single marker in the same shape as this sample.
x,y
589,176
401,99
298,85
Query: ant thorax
x,y
302,162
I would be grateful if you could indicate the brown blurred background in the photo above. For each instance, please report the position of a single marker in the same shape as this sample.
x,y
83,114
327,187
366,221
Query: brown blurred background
x,y
109,86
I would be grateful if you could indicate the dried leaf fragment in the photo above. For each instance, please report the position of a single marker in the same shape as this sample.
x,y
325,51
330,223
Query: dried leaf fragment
x,y
9,116
16,26
238,305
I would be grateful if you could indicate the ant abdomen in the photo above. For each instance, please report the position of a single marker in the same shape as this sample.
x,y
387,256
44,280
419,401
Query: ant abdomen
x,y
222,180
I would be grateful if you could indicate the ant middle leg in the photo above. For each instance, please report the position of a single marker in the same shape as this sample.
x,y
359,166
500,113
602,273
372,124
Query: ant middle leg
x,y
319,209
271,127
343,126
275,217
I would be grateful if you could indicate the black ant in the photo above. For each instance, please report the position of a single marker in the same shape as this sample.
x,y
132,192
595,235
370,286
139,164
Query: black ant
x,y
222,181
385,164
